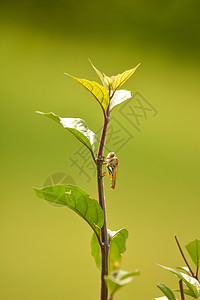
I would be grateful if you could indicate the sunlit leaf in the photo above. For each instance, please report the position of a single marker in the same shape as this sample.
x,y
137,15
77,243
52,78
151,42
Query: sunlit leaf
x,y
185,269
116,249
118,279
77,127
100,75
76,199
166,291
191,283
120,79
119,97
193,249
117,246
97,90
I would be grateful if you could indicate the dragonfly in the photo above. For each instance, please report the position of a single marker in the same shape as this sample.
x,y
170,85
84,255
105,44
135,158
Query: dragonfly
x,y
112,166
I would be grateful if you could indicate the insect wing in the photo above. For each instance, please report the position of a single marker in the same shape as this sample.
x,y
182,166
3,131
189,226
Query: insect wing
x,y
113,181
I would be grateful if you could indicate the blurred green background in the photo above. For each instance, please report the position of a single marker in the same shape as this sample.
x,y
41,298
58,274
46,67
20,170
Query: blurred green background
x,y
45,251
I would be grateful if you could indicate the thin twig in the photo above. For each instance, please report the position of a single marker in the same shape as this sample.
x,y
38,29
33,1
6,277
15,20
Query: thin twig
x,y
93,157
181,289
179,246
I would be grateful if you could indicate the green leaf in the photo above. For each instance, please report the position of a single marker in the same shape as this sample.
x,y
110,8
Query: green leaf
x,y
117,246
185,269
76,199
118,279
166,291
97,90
120,79
119,97
186,292
193,249
96,251
101,77
191,283
77,127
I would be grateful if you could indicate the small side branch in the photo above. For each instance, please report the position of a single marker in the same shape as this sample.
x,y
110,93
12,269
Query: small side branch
x,y
93,157
179,246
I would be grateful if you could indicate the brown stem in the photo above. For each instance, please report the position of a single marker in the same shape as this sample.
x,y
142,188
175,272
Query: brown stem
x,y
197,271
181,289
104,236
179,246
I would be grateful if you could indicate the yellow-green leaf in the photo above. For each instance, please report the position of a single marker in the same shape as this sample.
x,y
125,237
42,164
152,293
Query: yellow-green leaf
x,y
100,75
98,91
120,79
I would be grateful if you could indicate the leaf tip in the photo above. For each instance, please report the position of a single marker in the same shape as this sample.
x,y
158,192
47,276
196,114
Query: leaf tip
x,y
39,112
36,190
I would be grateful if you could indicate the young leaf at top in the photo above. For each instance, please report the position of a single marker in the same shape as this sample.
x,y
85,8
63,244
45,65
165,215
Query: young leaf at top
x,y
119,97
97,90
76,199
118,80
101,77
193,249
118,279
191,282
77,127
117,248
166,291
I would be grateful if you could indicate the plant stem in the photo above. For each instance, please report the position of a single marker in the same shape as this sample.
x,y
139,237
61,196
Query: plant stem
x,y
181,289
104,236
179,246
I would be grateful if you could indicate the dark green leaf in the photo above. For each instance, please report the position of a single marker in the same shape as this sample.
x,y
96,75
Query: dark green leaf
x,y
166,291
77,200
191,282
77,127
118,279
193,249
117,246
